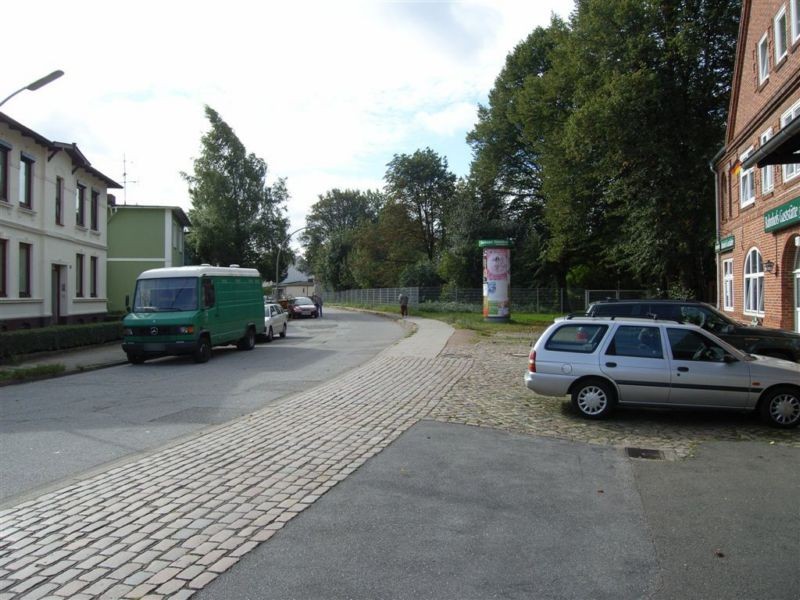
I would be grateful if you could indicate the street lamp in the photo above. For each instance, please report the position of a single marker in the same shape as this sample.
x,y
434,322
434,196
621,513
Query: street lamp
x,y
278,258
36,84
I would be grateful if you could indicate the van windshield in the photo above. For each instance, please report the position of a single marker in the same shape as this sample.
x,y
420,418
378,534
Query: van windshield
x,y
165,295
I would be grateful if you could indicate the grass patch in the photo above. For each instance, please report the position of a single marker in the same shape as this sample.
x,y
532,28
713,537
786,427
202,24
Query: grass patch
x,y
520,322
26,373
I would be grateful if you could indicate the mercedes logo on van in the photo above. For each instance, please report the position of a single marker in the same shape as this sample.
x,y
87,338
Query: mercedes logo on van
x,y
154,331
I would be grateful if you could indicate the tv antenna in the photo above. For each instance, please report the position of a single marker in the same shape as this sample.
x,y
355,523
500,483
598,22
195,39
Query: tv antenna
x,y
125,181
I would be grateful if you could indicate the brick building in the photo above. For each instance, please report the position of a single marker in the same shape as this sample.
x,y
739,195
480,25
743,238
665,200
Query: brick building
x,y
758,171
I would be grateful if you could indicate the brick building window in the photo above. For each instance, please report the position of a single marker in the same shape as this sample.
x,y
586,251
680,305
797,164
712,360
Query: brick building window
x,y
26,182
781,42
768,172
793,170
763,59
727,284
25,251
79,275
754,284
747,182
795,4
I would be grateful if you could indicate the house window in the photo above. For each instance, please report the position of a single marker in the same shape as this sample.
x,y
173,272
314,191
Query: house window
x,y
26,182
79,275
59,201
80,206
727,284
25,270
793,170
747,182
93,276
3,173
781,44
754,283
95,209
3,268
763,59
795,20
768,172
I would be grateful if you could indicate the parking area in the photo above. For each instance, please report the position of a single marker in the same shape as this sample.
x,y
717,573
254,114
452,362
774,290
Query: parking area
x,y
493,394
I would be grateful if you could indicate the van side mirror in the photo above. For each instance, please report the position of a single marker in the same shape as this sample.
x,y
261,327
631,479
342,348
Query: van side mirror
x,y
127,303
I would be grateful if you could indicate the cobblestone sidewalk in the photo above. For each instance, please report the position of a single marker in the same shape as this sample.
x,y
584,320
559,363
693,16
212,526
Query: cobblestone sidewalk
x,y
166,525
493,394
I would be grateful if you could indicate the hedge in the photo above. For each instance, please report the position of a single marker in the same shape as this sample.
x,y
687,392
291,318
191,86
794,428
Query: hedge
x,y
62,337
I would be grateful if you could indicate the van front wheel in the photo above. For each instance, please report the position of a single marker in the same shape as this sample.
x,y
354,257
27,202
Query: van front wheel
x,y
203,352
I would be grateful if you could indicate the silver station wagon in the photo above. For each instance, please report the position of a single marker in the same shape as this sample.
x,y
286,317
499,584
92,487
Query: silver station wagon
x,y
605,362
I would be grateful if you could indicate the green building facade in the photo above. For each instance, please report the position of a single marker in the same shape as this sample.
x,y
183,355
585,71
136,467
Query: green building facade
x,y
141,238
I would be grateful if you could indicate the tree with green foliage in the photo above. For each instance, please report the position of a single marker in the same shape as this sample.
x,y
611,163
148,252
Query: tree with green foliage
x,y
331,227
236,217
422,183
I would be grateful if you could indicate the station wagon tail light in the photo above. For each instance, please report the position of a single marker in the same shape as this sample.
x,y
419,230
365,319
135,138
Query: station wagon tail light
x,y
186,329
532,362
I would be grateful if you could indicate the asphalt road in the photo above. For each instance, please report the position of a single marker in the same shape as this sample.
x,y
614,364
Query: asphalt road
x,y
457,512
62,428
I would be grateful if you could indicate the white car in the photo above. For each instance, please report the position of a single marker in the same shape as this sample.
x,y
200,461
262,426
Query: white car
x,y
607,362
275,319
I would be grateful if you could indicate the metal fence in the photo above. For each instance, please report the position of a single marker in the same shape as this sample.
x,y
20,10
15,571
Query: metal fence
x,y
538,300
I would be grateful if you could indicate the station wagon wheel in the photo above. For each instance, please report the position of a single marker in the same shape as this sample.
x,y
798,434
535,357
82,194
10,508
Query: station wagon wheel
x,y
270,335
202,353
283,331
780,407
593,398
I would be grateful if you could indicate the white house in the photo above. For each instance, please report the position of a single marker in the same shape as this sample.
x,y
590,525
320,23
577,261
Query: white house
x,y
53,230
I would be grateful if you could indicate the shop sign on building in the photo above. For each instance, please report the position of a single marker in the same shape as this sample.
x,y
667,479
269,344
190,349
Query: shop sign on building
x,y
725,244
783,216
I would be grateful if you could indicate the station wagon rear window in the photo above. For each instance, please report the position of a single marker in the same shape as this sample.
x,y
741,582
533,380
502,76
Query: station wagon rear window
x,y
576,338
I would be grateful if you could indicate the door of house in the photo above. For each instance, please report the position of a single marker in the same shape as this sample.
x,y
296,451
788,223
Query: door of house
x,y
58,294
797,289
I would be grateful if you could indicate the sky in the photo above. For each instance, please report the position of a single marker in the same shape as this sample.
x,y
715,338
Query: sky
x,y
325,92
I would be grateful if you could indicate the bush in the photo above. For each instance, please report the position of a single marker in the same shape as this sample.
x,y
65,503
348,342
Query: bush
x,y
44,339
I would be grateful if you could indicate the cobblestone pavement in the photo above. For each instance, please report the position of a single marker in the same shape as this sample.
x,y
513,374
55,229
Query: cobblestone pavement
x,y
493,394
166,525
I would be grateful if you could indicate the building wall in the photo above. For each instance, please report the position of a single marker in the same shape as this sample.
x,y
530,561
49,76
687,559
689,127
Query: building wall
x,y
757,107
140,238
53,245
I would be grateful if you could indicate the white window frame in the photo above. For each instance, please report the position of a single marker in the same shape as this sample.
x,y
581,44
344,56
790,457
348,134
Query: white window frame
x,y
781,35
795,4
747,182
790,171
754,283
727,284
763,59
768,172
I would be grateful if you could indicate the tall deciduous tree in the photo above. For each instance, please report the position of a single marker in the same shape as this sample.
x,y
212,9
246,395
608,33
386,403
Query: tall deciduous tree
x,y
236,217
422,183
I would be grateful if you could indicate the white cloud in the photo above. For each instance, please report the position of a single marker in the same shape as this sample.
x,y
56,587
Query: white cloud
x,y
325,92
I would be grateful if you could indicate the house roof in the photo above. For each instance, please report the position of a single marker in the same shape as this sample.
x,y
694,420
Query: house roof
x,y
295,275
77,157
177,211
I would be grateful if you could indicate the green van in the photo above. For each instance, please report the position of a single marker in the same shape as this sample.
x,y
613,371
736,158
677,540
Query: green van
x,y
187,310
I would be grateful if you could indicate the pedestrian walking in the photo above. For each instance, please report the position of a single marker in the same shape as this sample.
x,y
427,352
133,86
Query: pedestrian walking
x,y
319,305
403,305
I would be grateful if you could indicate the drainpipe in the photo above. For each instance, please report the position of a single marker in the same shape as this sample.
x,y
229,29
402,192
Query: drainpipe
x,y
711,164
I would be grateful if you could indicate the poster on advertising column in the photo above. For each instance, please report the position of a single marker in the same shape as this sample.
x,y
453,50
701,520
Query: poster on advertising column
x,y
496,280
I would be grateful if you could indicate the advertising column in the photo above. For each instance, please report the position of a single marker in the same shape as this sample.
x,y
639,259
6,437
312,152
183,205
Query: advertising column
x,y
496,280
